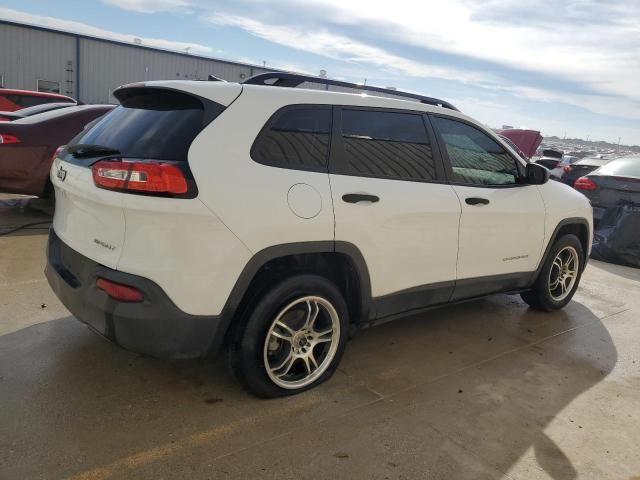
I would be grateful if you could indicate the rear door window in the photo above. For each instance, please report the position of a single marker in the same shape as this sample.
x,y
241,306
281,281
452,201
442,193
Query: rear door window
x,y
149,124
295,138
385,144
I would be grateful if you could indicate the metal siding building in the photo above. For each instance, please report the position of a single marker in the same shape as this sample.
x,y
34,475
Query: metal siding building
x,y
89,68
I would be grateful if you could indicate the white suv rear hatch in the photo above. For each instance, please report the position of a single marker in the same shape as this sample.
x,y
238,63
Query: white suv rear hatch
x,y
153,123
88,219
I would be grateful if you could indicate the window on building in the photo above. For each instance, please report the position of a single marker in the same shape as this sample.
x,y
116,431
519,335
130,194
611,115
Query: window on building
x,y
475,157
1,81
387,145
298,138
48,86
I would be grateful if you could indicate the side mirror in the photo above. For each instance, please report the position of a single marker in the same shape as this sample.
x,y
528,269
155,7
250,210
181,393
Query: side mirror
x,y
537,174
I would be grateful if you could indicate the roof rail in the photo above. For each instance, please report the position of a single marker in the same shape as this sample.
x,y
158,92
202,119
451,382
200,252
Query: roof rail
x,y
282,79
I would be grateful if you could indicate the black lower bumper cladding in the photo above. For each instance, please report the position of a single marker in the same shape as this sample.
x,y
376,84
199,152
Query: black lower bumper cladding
x,y
154,327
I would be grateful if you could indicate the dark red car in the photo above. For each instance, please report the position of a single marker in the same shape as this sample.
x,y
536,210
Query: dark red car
x,y
27,146
12,100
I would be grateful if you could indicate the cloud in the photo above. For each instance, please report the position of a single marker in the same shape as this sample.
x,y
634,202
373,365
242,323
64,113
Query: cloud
x,y
592,43
84,29
587,44
340,47
581,52
151,6
337,46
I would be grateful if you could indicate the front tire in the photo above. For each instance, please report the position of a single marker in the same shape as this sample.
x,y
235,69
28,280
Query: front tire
x,y
292,339
560,275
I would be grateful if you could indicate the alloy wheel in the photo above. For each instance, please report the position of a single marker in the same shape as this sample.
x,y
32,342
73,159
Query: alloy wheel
x,y
563,273
301,342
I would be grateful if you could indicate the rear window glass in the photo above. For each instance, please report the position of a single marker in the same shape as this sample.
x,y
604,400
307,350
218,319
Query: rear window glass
x,y
624,167
150,124
25,101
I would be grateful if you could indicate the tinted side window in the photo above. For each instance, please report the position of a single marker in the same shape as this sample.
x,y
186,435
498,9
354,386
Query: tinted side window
x,y
296,138
387,144
475,157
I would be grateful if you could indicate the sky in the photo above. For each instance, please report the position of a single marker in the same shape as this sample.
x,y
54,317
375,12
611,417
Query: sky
x,y
569,67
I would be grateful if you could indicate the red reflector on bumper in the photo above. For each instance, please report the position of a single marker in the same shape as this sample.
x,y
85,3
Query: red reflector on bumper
x,y
118,291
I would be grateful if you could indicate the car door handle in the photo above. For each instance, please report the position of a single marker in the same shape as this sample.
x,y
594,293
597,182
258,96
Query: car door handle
x,y
359,197
476,201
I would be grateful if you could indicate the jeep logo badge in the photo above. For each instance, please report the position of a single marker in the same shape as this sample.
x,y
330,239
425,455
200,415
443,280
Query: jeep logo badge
x,y
62,174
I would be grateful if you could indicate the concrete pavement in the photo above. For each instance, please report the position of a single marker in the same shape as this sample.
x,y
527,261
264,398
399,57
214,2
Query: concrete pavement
x,y
485,389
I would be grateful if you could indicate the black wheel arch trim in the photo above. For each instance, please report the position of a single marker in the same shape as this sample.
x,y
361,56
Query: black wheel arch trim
x,y
268,254
554,236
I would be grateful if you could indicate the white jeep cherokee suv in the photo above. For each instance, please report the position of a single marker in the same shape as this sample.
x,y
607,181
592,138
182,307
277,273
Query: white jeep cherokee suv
x,y
273,221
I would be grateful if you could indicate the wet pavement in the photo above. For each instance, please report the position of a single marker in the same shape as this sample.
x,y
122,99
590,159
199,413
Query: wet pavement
x,y
485,389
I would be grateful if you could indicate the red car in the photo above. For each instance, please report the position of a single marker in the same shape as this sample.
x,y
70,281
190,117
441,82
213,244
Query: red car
x,y
12,100
27,146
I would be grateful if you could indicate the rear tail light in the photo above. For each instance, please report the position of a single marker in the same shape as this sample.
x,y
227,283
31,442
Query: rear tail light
x,y
8,139
585,183
140,176
118,291
567,168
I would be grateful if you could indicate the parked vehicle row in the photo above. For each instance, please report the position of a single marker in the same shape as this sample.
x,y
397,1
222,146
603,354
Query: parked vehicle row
x,y
270,221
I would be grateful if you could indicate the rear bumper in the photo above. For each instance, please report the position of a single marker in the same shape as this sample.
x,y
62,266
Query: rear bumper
x,y
154,327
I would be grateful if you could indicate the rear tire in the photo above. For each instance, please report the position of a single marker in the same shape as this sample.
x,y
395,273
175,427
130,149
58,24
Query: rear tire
x,y
292,338
560,275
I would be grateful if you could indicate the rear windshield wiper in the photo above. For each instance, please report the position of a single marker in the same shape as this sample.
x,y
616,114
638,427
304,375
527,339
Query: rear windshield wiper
x,y
85,150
